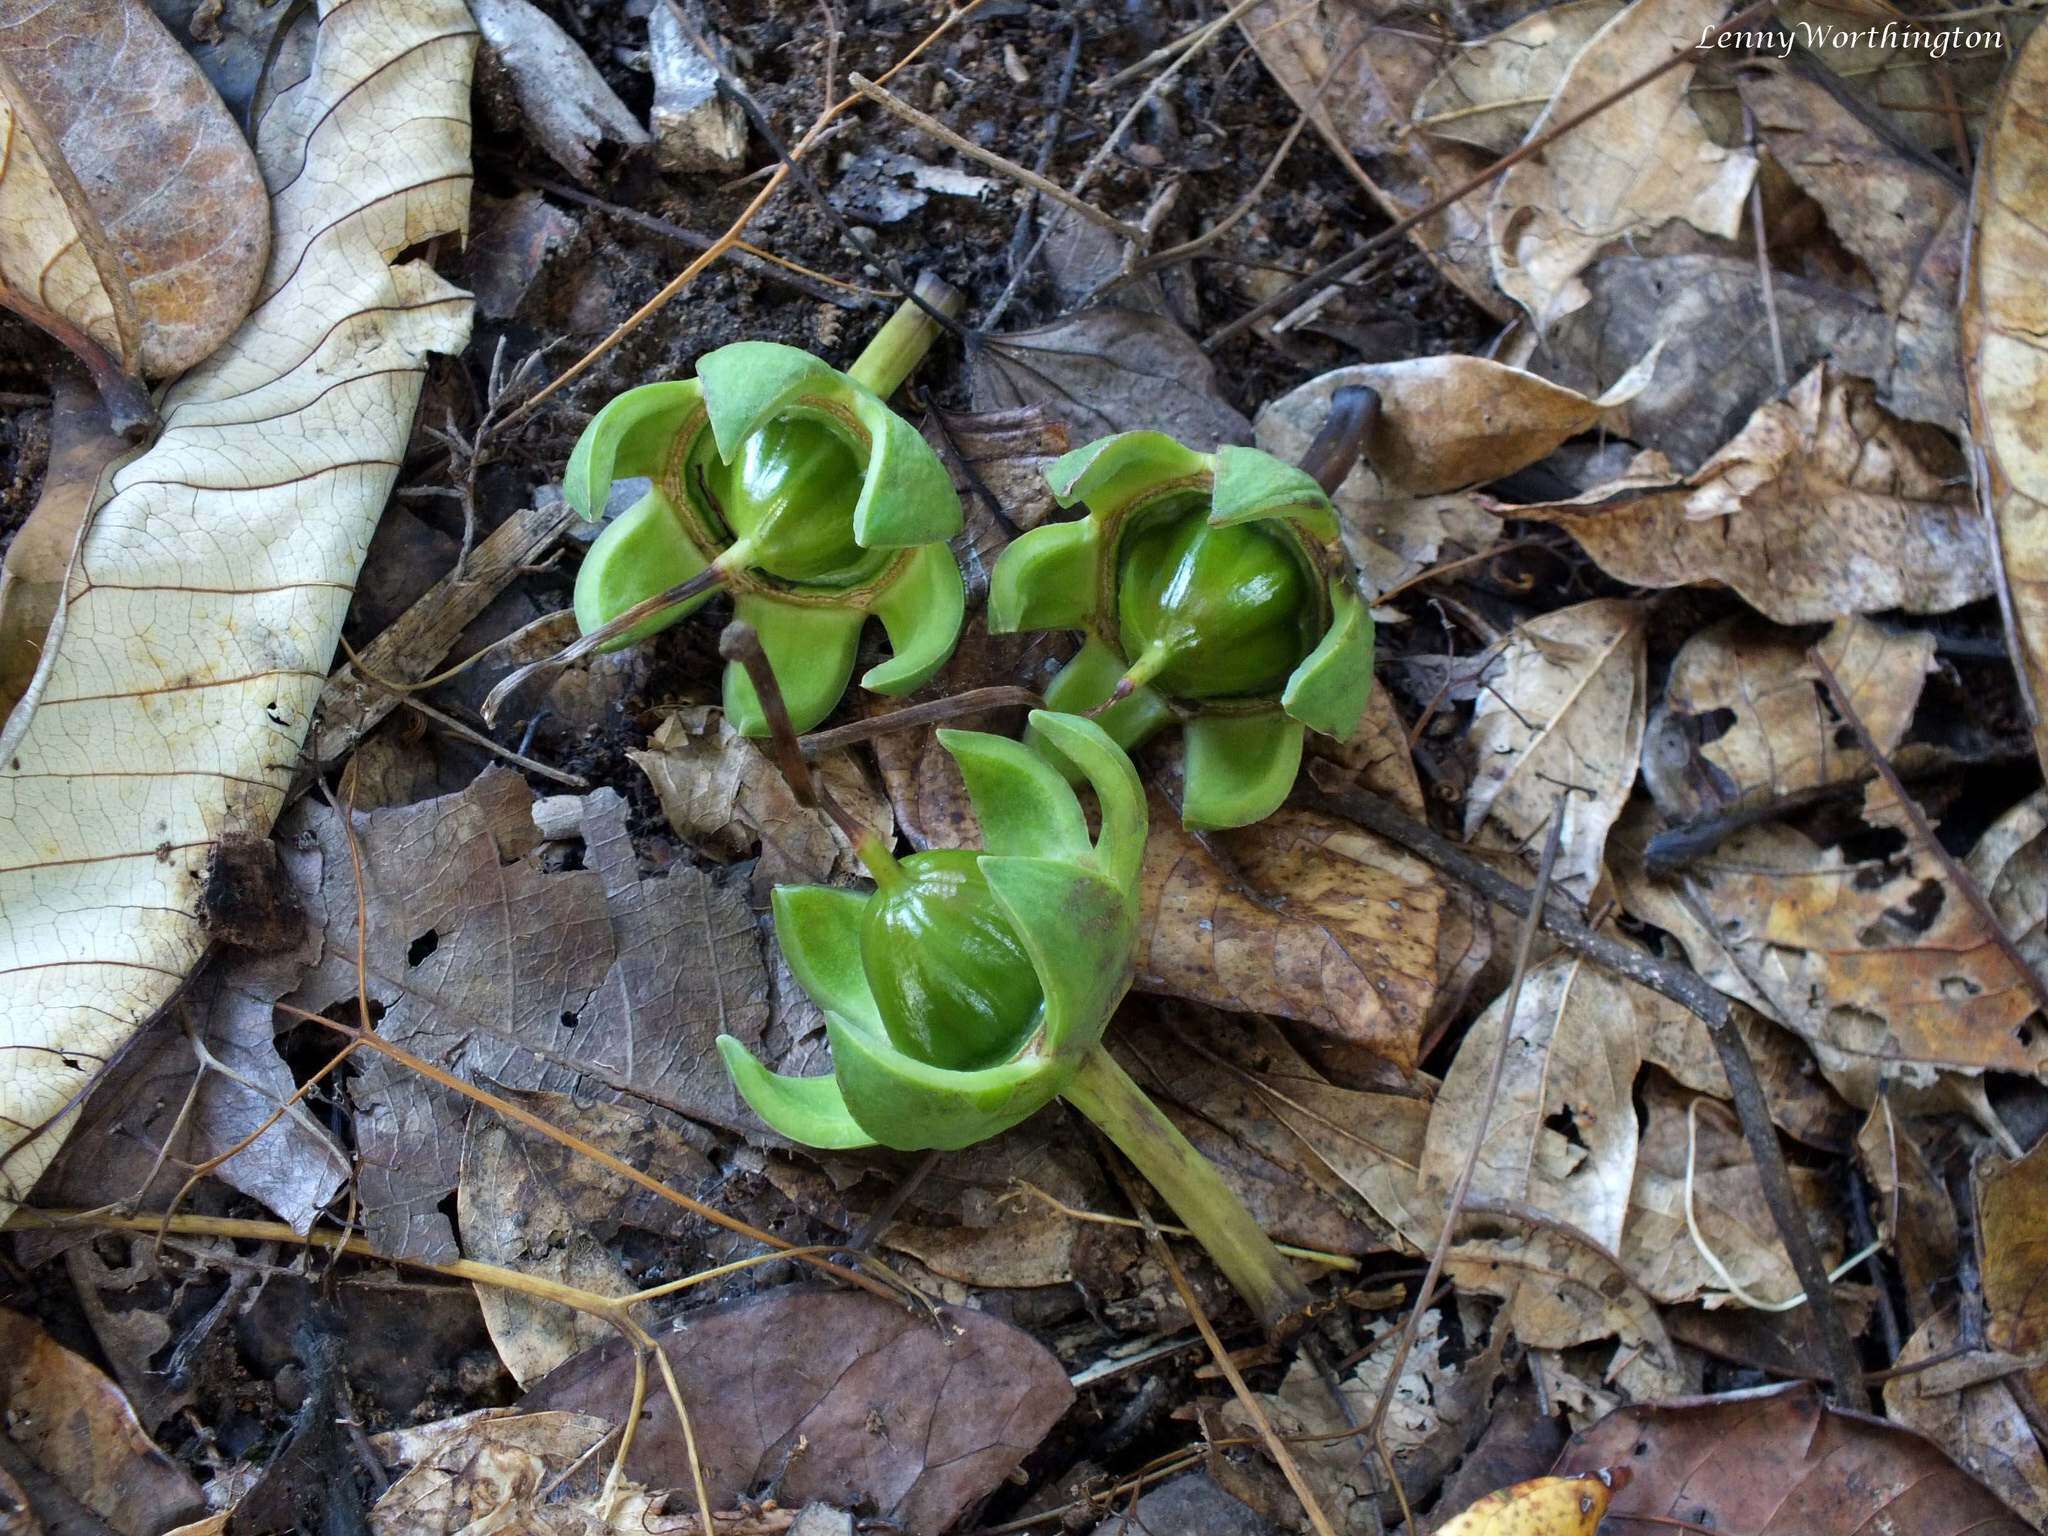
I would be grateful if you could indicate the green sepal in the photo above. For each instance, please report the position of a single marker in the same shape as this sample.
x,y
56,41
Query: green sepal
x,y
1253,487
1045,579
808,1110
631,436
1238,769
1328,691
1024,806
641,552
1078,929
922,610
905,1104
818,927
1119,794
811,650
906,497
1083,683
1110,471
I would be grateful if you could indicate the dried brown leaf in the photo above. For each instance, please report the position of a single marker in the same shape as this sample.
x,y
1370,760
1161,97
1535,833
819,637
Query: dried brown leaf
x,y
1647,162
912,1417
1775,1461
1491,91
2012,1244
1901,529
1915,1216
1560,718
150,171
481,1468
1968,1409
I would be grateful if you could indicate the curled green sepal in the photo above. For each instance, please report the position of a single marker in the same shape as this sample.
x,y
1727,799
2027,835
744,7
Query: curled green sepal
x,y
791,485
1209,588
1068,898
810,1110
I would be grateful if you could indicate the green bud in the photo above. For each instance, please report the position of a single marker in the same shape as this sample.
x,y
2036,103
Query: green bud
x,y
951,979
1211,592
1225,611
789,496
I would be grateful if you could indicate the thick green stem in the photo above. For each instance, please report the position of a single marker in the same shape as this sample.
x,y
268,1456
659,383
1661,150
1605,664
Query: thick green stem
x,y
900,345
1206,1205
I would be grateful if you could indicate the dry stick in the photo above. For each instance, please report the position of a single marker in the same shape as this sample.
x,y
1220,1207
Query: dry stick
x,y
1958,876
1195,39
1275,1446
1287,297
1677,982
1023,175
955,706
1763,262
1524,946
731,238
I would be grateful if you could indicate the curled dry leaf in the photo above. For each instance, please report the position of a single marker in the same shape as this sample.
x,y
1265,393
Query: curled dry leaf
x,y
484,1469
1358,80
1901,531
1647,161
1108,370
2005,316
1963,1402
1543,1506
505,971
211,584
1915,1216
1776,1461
1492,91
1754,691
1901,215
1560,1137
527,1203
835,1396
1881,967
77,1427
2012,1243
1728,1206
1561,718
135,216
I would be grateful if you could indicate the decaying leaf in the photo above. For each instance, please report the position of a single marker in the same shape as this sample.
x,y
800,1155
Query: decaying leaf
x,y
1962,1402
1492,90
1649,162
1700,1141
134,213
483,1468
723,795
527,1203
1108,370
1543,1506
1766,728
1561,1134
1912,1208
211,585
76,1426
500,969
1901,531
1878,965
1902,216
1561,719
895,1411
2005,315
2012,1243
998,461
1775,1461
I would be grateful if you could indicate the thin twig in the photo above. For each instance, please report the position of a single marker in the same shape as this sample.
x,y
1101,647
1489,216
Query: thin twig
x,y
455,727
956,706
1288,297
1524,947
1196,39
1960,878
1763,262
1044,186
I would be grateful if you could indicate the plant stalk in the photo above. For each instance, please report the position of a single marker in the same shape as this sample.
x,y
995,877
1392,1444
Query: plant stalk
x,y
900,345
1207,1206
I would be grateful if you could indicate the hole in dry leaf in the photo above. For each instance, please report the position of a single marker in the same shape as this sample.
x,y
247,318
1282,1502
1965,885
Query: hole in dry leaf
x,y
1713,725
1566,1125
569,1019
1921,908
422,947
2025,1034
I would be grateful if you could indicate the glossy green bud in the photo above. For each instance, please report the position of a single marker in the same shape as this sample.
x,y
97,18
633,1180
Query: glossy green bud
x,y
951,979
1226,611
1212,593
806,498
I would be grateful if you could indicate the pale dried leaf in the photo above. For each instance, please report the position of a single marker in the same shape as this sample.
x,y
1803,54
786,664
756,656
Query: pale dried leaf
x,y
1901,531
1647,162
1492,90
1561,719
496,1465
212,582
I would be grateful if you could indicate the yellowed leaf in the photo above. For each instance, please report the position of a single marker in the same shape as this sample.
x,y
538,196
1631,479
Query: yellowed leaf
x,y
1560,721
1543,1506
1646,162
177,685
1901,528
